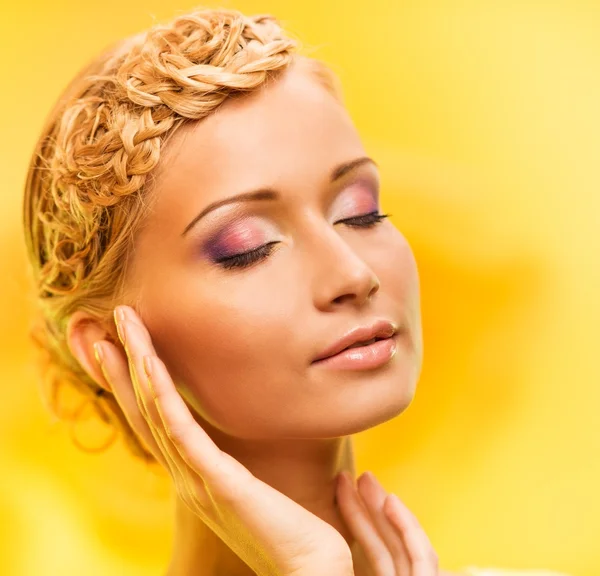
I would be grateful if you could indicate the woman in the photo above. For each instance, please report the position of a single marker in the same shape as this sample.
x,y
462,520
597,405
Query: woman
x,y
203,185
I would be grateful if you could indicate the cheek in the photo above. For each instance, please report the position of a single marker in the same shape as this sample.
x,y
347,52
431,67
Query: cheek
x,y
397,270
224,352
399,276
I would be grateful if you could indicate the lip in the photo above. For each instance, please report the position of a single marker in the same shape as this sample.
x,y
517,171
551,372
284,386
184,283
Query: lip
x,y
368,357
383,329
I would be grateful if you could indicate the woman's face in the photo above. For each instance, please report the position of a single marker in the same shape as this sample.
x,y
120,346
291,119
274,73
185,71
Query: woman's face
x,y
239,341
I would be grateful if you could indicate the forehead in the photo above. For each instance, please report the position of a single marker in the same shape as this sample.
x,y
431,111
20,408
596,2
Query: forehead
x,y
291,127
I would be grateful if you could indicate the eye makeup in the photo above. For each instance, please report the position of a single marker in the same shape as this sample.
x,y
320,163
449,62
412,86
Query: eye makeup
x,y
248,238
244,234
360,197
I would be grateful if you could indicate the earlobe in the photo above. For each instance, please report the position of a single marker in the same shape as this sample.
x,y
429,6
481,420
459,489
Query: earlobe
x,y
83,330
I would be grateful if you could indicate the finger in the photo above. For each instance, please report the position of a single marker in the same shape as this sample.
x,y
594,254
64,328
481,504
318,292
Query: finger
x,y
422,554
182,438
358,521
137,344
114,365
373,496
193,444
186,443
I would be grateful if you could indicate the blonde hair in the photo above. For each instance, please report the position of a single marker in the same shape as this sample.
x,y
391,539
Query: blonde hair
x,y
89,177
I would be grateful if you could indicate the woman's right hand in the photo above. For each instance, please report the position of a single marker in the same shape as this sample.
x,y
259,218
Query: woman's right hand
x,y
270,532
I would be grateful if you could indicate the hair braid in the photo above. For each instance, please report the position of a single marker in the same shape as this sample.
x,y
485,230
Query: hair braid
x,y
85,194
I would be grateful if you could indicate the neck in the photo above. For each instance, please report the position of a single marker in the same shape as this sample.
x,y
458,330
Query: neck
x,y
301,469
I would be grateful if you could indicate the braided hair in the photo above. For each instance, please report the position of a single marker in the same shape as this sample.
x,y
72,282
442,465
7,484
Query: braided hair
x,y
88,183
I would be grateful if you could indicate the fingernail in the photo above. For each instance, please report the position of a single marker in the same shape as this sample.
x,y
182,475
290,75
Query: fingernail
x,y
148,366
345,477
119,321
98,353
394,499
147,361
121,314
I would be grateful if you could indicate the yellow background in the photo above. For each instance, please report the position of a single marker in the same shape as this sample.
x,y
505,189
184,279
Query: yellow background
x,y
484,116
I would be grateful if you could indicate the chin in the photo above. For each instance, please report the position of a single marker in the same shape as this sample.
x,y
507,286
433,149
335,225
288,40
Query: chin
x,y
382,396
362,403
380,408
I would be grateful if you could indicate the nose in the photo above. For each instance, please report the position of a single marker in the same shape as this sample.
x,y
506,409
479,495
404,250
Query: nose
x,y
341,275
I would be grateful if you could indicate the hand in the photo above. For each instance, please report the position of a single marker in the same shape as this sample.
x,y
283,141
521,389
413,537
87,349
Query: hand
x,y
387,534
270,532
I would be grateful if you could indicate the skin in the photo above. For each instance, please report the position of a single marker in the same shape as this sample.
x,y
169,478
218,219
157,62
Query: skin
x,y
238,343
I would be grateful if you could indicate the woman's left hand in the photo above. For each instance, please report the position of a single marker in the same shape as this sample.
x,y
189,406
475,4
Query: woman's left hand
x,y
388,536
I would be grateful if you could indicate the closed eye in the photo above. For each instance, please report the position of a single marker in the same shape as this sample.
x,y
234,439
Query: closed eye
x,y
246,259
364,221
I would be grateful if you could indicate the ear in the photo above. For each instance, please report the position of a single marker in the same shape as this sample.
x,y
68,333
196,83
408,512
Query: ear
x,y
83,330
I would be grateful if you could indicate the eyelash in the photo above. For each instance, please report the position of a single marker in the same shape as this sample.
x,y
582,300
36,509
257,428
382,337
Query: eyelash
x,y
248,258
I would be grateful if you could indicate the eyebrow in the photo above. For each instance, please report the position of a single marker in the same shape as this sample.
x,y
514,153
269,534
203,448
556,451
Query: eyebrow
x,y
270,194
